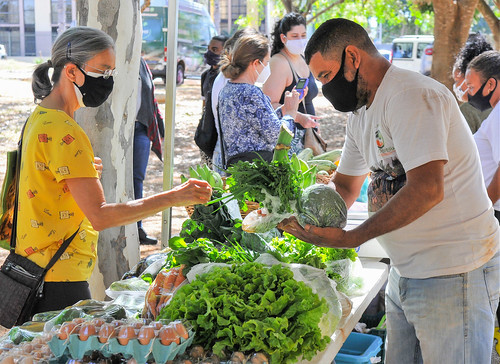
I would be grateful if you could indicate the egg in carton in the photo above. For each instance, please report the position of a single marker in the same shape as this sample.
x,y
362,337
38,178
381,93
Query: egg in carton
x,y
159,341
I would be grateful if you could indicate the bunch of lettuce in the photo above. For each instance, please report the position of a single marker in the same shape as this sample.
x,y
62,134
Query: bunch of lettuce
x,y
252,307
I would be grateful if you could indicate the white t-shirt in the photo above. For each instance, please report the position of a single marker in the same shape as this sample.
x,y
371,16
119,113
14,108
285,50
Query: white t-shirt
x,y
414,120
487,139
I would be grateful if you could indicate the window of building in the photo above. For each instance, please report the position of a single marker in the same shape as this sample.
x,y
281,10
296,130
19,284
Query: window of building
x,y
9,12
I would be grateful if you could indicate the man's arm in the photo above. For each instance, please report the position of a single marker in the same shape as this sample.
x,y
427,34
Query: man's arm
x,y
424,189
494,187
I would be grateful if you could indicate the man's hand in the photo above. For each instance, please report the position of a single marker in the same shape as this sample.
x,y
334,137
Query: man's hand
x,y
324,237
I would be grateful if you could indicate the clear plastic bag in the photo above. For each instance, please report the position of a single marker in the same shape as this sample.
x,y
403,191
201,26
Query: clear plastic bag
x,y
347,276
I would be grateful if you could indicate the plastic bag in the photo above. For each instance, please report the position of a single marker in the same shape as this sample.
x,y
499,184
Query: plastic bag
x,y
130,286
162,290
146,262
346,275
261,221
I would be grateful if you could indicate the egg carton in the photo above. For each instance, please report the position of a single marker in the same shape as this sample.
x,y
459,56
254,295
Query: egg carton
x,y
75,348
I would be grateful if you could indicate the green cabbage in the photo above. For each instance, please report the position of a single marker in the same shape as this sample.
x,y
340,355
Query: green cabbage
x,y
322,206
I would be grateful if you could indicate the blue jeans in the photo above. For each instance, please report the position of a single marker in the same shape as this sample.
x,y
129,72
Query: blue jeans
x,y
142,145
441,320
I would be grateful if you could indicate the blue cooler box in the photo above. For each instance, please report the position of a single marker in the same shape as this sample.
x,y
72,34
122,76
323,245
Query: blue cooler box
x,y
359,348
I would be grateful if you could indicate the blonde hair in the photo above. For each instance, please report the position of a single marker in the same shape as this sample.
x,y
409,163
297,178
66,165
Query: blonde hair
x,y
246,49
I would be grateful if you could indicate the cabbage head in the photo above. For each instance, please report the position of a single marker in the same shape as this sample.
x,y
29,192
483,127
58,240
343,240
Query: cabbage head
x,y
322,206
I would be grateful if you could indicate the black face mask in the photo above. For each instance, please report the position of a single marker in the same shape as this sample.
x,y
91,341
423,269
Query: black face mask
x,y
211,58
479,101
95,90
340,92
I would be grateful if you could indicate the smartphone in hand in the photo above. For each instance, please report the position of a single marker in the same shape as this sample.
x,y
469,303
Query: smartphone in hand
x,y
301,85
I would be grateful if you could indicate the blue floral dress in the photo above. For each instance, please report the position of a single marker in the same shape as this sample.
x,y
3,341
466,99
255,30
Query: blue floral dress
x,y
248,120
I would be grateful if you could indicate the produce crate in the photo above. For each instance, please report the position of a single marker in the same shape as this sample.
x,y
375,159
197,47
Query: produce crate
x,y
380,333
359,348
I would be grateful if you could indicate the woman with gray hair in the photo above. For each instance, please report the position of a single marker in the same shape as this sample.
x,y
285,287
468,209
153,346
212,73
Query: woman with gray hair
x,y
59,191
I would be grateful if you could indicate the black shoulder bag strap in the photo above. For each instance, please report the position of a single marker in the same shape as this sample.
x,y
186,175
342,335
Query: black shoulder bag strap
x,y
13,234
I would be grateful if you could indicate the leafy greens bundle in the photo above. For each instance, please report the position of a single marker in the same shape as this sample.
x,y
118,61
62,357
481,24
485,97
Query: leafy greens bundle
x,y
251,307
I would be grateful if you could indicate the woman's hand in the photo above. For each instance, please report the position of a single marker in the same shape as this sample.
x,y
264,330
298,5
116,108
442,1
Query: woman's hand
x,y
191,192
98,166
291,103
307,120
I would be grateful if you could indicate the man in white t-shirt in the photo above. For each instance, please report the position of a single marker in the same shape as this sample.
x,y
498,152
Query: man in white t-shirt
x,y
427,201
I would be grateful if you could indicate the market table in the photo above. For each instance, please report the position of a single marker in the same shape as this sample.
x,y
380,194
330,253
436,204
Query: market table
x,y
374,274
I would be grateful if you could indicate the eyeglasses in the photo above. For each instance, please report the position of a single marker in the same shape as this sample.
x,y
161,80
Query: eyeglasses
x,y
105,73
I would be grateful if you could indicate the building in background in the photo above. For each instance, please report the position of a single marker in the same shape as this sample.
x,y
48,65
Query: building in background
x,y
28,27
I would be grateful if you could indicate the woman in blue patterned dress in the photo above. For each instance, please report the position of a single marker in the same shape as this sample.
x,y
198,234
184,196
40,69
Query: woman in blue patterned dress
x,y
249,122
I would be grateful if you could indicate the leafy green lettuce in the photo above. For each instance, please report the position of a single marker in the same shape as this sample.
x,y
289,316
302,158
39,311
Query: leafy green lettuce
x,y
252,307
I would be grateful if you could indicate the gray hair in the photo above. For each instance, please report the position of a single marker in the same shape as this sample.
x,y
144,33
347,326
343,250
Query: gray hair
x,y
487,64
76,45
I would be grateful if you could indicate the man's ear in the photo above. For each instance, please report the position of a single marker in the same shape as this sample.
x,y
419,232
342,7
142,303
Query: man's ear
x,y
492,84
352,56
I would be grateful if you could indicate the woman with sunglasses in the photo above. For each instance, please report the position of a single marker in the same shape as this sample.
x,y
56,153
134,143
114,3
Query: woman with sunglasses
x,y
59,191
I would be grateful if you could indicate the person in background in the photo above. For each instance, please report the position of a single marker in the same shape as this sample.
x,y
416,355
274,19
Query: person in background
x,y
481,78
212,58
60,190
475,45
218,84
149,131
428,206
249,122
287,66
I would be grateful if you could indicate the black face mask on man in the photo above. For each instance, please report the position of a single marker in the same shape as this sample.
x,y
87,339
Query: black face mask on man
x,y
479,101
340,92
211,58
95,89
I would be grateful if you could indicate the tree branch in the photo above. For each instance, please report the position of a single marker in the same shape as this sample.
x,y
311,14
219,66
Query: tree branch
x,y
491,19
338,2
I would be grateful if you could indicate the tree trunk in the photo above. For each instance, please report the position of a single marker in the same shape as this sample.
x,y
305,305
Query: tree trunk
x,y
110,128
491,19
452,21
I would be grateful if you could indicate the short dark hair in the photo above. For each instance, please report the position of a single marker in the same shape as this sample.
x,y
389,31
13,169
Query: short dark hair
x,y
474,46
283,26
220,38
487,64
336,34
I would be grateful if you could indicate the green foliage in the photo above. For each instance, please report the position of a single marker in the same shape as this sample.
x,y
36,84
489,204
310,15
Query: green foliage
x,y
290,249
252,180
251,307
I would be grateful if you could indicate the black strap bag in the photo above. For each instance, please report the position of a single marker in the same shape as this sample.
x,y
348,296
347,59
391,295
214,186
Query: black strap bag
x,y
21,280
205,136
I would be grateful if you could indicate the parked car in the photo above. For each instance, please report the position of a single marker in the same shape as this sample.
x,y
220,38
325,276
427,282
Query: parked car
x,y
195,29
3,52
425,66
408,50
